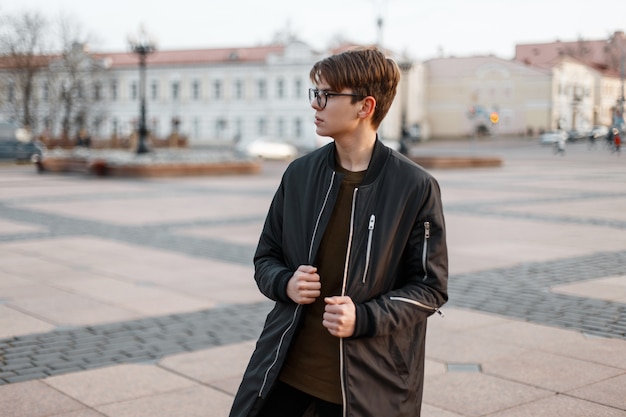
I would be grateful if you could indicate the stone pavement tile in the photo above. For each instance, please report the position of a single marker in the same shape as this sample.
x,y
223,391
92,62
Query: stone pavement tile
x,y
80,250
81,413
34,399
609,352
459,319
610,392
216,281
529,335
453,194
147,301
466,348
480,243
598,208
34,266
16,323
245,234
8,280
146,211
41,188
117,383
430,411
64,308
13,227
212,365
609,288
476,394
560,406
432,368
549,370
196,401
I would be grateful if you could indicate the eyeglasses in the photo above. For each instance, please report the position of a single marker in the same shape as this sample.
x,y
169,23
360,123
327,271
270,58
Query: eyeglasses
x,y
322,96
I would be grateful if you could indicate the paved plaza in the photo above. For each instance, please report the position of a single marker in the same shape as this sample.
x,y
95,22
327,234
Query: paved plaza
x,y
135,297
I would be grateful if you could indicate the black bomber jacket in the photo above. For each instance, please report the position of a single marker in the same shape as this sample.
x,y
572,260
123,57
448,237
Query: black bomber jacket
x,y
397,277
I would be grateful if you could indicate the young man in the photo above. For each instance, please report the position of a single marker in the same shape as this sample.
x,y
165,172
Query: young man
x,y
353,252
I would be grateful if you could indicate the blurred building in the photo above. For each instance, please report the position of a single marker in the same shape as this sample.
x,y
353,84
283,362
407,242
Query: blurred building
x,y
225,95
214,96
464,95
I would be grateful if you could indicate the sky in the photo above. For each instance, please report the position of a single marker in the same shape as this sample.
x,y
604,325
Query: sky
x,y
420,29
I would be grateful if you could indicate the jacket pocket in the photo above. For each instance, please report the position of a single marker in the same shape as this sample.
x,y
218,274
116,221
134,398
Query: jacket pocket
x,y
368,251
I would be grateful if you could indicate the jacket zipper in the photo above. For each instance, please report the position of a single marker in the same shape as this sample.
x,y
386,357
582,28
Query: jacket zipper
x,y
295,313
319,216
280,344
343,293
425,249
417,303
370,234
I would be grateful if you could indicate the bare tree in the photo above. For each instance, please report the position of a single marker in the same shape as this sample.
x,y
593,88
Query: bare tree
x,y
22,50
76,76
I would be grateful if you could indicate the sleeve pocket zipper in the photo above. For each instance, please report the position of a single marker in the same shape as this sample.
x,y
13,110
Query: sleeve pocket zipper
x,y
425,249
417,303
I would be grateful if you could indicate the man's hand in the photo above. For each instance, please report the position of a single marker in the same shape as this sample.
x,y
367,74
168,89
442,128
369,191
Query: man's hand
x,y
304,285
339,316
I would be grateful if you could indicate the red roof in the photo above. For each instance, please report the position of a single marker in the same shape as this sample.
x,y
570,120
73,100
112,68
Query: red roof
x,y
194,56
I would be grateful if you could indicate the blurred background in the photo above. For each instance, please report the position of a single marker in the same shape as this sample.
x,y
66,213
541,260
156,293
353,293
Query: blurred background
x,y
115,74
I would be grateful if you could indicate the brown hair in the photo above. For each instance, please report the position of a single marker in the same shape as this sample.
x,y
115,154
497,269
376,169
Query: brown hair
x,y
366,71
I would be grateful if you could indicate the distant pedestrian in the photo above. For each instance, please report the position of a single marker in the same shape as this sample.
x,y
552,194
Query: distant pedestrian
x,y
559,146
617,140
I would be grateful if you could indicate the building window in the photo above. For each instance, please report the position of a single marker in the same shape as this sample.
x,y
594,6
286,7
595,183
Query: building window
x,y
239,92
154,90
45,92
262,89
280,128
220,128
133,90
298,88
97,91
195,87
79,89
115,127
280,88
238,129
113,90
262,126
196,127
217,89
175,90
297,127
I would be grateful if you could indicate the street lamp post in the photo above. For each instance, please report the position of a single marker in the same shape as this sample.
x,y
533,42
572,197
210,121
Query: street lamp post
x,y
142,46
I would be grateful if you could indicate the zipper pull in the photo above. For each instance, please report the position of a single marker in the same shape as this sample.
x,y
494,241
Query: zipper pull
x,y
427,230
372,221
438,311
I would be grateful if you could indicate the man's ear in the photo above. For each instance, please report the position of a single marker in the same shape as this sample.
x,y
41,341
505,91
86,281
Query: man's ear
x,y
368,107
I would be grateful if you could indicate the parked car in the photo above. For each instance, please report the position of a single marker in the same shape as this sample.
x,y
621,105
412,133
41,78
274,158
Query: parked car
x,y
552,137
575,135
17,144
267,148
598,132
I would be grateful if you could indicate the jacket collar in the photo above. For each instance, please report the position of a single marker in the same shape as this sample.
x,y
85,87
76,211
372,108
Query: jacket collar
x,y
380,154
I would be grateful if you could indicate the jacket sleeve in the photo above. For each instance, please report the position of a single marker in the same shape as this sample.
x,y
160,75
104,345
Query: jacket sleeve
x,y
422,276
270,271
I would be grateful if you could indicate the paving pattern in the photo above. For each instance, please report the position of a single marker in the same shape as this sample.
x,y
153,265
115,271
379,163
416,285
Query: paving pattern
x,y
521,291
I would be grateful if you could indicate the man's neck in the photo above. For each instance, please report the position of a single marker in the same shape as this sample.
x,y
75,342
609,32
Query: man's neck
x,y
355,153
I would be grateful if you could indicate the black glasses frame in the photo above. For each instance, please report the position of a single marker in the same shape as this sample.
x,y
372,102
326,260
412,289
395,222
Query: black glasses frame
x,y
315,94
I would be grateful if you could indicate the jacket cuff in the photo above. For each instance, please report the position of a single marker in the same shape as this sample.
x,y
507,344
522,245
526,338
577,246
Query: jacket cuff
x,y
281,287
364,325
